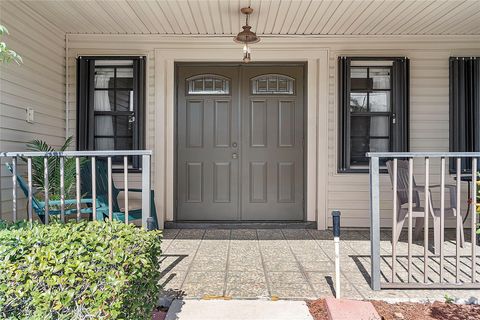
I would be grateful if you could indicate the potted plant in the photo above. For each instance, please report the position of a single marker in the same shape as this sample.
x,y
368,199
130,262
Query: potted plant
x,y
38,171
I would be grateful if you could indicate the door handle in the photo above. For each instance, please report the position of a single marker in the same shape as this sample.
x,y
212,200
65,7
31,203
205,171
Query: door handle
x,y
234,155
234,145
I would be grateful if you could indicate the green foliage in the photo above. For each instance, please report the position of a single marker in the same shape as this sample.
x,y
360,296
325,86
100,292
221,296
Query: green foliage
x,y
38,169
6,54
449,299
85,270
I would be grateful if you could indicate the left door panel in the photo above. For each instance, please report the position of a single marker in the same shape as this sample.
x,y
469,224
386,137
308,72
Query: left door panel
x,y
207,143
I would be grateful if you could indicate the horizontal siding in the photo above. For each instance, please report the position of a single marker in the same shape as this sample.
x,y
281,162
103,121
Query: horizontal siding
x,y
38,83
346,192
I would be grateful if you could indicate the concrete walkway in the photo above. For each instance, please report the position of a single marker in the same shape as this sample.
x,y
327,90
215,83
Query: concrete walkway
x,y
288,264
238,310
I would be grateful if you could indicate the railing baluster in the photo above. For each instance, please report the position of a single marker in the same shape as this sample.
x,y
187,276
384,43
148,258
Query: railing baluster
x,y
30,189
459,219
145,190
426,219
375,223
78,187
442,216
473,226
110,202
410,218
394,221
14,188
62,189
125,182
94,188
46,189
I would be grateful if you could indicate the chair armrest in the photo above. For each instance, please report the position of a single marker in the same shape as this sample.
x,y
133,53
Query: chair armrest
x,y
132,190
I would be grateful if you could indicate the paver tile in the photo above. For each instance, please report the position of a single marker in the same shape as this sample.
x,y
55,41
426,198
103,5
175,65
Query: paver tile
x,y
205,276
280,278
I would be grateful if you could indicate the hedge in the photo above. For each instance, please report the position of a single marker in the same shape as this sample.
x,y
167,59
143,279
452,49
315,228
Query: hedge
x,y
84,270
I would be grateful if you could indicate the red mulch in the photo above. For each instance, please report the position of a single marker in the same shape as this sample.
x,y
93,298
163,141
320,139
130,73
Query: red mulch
x,y
409,311
318,309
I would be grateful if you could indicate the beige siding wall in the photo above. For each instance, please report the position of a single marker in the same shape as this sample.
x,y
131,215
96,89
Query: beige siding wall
x,y
346,192
39,83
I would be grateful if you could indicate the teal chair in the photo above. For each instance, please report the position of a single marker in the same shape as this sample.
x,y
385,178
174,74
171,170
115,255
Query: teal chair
x,y
102,194
39,206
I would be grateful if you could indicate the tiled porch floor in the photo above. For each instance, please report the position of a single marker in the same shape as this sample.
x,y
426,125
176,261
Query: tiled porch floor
x,y
288,264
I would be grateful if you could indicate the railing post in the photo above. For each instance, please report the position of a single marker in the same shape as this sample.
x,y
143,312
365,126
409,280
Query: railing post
x,y
14,188
375,222
146,208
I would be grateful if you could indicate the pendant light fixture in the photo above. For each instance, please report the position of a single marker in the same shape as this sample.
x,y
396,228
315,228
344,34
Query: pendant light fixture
x,y
246,36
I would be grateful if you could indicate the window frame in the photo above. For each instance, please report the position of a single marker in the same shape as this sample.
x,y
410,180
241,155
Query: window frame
x,y
395,115
85,122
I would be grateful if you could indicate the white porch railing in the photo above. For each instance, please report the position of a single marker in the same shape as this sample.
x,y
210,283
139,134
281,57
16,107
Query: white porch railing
x,y
12,159
413,265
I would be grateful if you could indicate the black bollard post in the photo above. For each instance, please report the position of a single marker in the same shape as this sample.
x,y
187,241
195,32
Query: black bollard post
x,y
336,240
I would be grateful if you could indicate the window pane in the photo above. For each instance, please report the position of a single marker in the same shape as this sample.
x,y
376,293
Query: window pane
x,y
124,126
370,126
104,126
358,102
124,101
262,85
104,144
381,78
197,85
379,145
380,101
208,85
103,100
104,78
125,78
379,126
358,148
124,144
358,72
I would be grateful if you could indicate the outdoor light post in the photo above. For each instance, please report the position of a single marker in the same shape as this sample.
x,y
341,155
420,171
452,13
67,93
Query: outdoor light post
x,y
336,240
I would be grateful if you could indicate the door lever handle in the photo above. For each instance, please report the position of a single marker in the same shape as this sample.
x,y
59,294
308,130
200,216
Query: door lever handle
x,y
234,155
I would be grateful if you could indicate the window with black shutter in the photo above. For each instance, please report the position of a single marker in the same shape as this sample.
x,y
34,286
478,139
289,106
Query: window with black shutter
x,y
111,104
374,107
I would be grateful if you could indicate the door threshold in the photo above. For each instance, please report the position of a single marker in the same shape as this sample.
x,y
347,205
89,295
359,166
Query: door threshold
x,y
241,225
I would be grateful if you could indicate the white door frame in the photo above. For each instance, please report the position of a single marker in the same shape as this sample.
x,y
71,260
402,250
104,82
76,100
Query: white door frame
x,y
269,51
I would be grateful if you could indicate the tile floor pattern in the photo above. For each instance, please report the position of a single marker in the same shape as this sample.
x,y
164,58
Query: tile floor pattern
x,y
293,264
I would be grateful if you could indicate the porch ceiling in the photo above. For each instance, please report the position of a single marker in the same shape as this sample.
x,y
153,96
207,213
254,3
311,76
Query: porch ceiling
x,y
286,17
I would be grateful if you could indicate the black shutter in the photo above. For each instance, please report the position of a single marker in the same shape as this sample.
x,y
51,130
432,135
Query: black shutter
x,y
343,103
464,108
401,105
85,72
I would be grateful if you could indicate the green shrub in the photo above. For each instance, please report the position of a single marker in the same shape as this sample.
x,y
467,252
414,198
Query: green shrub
x,y
85,270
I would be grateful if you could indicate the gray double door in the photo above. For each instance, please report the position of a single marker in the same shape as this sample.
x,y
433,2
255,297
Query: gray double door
x,y
240,133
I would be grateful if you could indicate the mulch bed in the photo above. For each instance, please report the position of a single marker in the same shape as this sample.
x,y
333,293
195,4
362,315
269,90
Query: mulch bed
x,y
409,311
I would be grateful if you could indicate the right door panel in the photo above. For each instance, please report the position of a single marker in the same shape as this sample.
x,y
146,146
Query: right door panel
x,y
272,143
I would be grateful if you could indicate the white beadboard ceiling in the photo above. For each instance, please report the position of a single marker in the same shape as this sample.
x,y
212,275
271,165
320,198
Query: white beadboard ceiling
x,y
271,17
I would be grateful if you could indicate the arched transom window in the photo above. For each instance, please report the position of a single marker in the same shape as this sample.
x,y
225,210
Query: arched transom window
x,y
208,84
272,84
